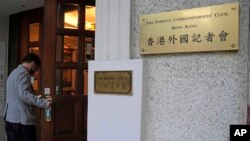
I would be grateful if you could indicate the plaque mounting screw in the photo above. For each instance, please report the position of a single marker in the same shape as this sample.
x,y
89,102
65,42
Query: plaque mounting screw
x,y
233,45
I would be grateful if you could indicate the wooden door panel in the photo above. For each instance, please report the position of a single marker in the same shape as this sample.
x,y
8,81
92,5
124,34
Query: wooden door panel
x,y
84,117
65,115
67,120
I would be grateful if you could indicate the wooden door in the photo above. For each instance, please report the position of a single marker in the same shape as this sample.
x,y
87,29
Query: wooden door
x,y
30,38
68,45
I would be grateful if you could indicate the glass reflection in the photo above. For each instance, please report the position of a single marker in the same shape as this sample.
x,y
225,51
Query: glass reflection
x,y
34,50
90,18
33,32
65,82
34,78
66,48
89,49
68,16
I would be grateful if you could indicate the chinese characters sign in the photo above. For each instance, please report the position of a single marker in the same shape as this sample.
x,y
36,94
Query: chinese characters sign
x,y
213,28
115,82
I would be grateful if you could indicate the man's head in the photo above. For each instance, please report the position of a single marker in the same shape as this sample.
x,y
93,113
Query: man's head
x,y
31,62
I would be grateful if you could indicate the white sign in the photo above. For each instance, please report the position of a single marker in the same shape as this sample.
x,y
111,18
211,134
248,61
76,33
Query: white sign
x,y
114,117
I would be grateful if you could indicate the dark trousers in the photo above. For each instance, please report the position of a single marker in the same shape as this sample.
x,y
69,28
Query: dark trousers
x,y
19,132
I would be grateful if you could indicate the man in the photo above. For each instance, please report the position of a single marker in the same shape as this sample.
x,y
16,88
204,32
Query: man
x,y
19,112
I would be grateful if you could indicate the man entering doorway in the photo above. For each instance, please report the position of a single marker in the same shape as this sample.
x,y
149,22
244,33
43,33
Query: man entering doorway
x,y
19,111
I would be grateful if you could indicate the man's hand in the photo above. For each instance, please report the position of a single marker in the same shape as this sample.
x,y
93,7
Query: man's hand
x,y
49,98
39,96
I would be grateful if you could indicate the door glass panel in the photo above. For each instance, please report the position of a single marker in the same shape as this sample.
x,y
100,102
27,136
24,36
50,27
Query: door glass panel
x,y
65,82
66,48
90,18
67,16
35,77
34,81
89,49
33,32
34,50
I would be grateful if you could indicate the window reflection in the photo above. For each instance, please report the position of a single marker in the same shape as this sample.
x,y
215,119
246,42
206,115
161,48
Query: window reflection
x,y
33,32
34,50
68,16
71,19
34,81
90,18
65,81
66,48
34,78
72,43
89,49
70,49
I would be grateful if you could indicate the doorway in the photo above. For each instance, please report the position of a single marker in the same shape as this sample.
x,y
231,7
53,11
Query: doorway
x,y
62,34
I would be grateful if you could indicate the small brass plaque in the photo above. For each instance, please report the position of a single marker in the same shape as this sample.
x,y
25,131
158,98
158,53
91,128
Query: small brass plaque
x,y
212,28
114,82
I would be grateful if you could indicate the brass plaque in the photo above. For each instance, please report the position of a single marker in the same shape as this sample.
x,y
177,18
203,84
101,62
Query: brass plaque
x,y
114,82
213,28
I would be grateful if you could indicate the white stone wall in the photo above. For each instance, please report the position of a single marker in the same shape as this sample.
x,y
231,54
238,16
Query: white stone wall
x,y
193,96
112,29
